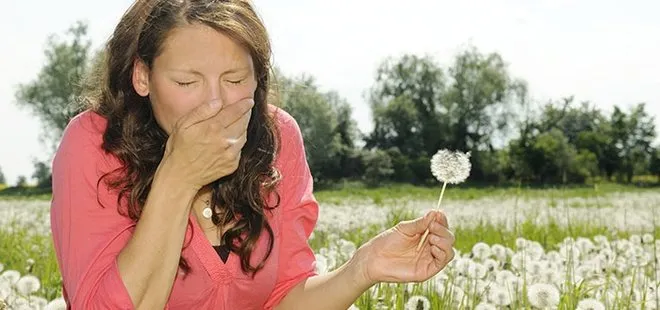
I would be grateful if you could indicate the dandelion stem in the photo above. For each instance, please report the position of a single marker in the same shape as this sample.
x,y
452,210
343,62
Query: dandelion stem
x,y
426,233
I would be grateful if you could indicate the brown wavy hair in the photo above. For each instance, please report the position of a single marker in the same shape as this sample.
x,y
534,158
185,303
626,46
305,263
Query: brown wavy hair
x,y
134,137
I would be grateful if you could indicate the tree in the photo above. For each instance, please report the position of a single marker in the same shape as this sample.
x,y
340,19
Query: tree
x,y
405,101
419,108
655,163
42,174
479,101
633,133
53,95
21,181
378,167
3,181
325,122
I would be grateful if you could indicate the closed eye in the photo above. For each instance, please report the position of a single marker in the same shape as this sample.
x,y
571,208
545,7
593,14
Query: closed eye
x,y
236,82
184,84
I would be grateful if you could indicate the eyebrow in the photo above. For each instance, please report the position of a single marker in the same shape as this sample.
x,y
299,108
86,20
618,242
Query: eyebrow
x,y
230,71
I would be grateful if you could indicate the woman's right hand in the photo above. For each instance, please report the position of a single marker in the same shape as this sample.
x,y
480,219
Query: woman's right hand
x,y
205,144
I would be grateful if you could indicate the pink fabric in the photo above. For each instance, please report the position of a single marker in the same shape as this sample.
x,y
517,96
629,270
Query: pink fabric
x,y
89,233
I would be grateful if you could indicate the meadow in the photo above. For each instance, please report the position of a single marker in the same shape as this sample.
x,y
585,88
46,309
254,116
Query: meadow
x,y
563,248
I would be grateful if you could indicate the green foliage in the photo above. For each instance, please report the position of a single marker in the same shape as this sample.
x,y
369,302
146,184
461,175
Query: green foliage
x,y
21,181
379,167
328,130
3,181
654,167
42,174
53,96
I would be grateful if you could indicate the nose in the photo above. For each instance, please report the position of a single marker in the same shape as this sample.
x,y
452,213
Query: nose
x,y
216,93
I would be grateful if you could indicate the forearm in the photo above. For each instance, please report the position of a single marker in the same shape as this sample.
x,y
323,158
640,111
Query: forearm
x,y
149,262
332,291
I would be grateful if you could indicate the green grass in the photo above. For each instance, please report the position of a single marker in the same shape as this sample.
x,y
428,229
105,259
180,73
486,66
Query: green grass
x,y
19,246
25,193
341,192
357,191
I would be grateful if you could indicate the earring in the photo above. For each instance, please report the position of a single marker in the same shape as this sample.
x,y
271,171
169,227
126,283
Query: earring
x,y
207,212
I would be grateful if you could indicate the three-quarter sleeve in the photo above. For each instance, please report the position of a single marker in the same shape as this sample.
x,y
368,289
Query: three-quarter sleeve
x,y
88,231
299,213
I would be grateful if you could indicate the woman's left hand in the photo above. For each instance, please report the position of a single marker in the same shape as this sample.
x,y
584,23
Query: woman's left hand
x,y
392,256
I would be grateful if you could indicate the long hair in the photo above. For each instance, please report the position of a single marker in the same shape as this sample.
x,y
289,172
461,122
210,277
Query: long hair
x,y
134,137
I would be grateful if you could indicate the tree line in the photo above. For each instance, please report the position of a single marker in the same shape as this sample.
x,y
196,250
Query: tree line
x,y
418,106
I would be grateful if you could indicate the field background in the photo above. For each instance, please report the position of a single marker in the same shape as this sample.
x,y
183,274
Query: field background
x,y
610,229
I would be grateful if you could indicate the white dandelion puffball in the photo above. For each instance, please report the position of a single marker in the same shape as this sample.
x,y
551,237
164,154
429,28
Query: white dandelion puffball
x,y
418,301
11,276
28,284
543,295
56,304
451,167
590,304
485,306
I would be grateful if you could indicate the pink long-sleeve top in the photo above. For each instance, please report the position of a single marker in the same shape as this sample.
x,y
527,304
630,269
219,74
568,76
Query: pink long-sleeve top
x,y
89,233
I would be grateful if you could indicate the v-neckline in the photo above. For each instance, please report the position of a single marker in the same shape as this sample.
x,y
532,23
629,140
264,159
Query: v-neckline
x,y
219,271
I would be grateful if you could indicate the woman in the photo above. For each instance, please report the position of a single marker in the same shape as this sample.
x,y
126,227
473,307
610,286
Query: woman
x,y
179,134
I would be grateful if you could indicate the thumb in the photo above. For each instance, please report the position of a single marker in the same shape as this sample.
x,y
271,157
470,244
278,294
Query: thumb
x,y
202,112
416,226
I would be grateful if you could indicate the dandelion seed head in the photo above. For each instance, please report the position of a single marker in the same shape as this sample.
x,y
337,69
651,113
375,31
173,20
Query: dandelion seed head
x,y
11,276
481,250
647,238
601,240
636,239
499,297
451,167
550,276
56,304
543,295
485,306
38,302
477,271
590,304
5,290
418,302
504,276
499,251
491,264
535,268
28,284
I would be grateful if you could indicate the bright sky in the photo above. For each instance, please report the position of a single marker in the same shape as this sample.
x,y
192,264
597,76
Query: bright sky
x,y
605,51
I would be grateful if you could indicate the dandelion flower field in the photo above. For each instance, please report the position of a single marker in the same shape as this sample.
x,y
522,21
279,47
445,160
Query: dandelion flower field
x,y
513,252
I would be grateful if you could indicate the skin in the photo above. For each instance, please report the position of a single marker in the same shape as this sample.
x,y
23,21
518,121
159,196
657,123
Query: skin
x,y
200,65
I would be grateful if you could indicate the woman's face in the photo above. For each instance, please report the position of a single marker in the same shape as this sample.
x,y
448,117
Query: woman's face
x,y
197,64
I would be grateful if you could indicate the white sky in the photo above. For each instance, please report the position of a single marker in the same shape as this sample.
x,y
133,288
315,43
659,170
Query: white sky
x,y
602,51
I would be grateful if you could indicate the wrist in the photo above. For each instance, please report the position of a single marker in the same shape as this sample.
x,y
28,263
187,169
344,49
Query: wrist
x,y
358,268
168,173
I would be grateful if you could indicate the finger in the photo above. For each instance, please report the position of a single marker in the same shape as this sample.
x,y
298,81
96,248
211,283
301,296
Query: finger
x,y
201,113
416,226
440,230
441,241
442,257
238,128
444,245
441,218
235,112
234,142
